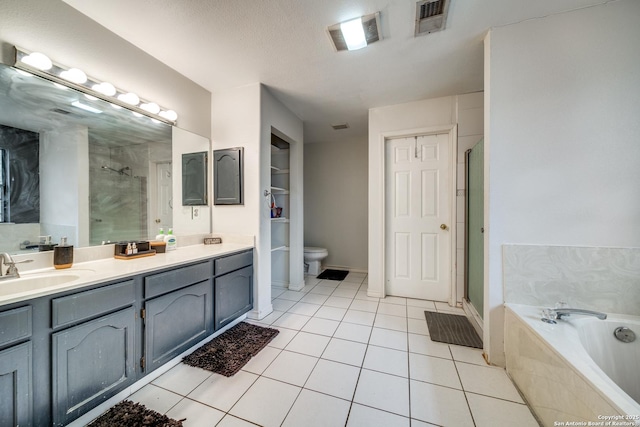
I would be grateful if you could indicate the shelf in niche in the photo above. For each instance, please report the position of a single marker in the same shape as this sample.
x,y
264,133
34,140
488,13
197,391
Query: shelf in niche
x,y
274,169
280,248
282,219
277,171
278,190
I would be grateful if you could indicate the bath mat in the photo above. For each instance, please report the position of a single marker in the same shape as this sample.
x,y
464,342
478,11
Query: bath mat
x,y
452,329
127,413
227,353
333,274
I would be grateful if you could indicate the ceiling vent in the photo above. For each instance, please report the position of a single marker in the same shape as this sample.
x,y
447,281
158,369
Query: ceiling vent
x,y
370,25
340,126
431,16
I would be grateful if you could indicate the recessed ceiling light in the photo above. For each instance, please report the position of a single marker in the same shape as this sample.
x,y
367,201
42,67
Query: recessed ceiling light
x,y
356,33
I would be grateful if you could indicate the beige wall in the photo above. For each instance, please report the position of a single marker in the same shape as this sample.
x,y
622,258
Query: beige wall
x,y
70,38
335,202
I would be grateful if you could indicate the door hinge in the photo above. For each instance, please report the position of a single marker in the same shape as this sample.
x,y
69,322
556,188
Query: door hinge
x,y
142,363
143,313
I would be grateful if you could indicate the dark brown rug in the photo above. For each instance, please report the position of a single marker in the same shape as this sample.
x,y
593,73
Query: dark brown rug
x,y
129,414
452,329
227,353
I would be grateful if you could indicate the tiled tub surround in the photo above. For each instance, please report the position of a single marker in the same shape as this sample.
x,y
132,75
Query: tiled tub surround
x,y
557,376
602,279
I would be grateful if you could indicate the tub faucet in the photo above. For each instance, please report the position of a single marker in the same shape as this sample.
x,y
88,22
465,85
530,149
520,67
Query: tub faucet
x,y
562,312
12,270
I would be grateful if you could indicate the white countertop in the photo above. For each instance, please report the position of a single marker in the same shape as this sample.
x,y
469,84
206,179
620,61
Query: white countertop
x,y
103,270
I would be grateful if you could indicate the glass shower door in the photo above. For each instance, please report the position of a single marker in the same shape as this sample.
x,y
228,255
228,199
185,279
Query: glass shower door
x,y
474,283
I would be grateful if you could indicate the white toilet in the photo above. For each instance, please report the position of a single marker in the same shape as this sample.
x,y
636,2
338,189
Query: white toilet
x,y
313,258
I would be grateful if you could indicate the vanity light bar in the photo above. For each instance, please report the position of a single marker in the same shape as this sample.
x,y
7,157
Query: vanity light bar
x,y
40,65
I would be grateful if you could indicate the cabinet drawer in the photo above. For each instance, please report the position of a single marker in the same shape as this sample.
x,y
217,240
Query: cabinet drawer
x,y
233,262
168,281
91,303
15,325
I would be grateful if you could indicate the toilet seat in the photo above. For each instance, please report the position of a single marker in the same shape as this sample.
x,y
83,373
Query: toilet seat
x,y
313,249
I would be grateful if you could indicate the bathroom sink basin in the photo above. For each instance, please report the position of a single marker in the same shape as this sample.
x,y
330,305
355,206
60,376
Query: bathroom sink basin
x,y
34,282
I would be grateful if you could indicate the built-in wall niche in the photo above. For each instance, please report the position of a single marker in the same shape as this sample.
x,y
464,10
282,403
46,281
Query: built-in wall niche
x,y
280,203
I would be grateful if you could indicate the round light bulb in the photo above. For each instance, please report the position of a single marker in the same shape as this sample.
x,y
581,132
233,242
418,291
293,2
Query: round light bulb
x,y
151,107
129,98
169,115
38,60
74,75
105,88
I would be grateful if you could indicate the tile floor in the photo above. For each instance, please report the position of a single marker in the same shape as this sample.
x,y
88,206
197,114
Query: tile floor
x,y
345,359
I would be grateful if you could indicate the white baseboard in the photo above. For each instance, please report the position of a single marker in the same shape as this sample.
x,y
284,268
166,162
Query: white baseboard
x,y
344,267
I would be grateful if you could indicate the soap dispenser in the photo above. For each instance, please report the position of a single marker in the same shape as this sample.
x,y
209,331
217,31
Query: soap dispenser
x,y
63,255
171,241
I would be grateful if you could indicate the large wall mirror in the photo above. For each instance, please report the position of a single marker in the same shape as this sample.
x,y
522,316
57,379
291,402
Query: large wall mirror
x,y
78,167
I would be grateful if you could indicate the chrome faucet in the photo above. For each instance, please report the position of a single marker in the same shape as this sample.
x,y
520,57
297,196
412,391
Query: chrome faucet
x,y
12,270
551,314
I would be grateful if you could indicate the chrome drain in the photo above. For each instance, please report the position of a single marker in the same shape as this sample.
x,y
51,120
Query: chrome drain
x,y
624,334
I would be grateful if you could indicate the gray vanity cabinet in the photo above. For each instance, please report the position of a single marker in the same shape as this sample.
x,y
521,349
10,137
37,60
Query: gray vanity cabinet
x,y
91,362
233,287
16,386
178,312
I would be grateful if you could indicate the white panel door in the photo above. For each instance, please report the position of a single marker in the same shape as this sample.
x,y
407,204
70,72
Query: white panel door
x,y
418,215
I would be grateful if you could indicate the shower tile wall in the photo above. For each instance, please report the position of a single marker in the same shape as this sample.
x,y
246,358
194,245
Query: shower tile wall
x,y
603,279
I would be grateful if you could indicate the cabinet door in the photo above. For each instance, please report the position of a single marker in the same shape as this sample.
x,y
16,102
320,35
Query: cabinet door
x,y
233,295
227,181
15,386
92,362
176,321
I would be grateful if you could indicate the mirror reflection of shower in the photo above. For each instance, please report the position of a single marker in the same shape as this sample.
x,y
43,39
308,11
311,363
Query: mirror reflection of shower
x,y
118,171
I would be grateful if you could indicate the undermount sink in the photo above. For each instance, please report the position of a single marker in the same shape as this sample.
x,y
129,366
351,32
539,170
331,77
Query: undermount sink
x,y
34,282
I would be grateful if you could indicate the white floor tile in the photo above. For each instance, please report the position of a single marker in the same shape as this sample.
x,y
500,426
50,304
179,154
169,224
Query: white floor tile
x,y
283,338
156,398
433,370
271,317
329,283
182,379
362,295
395,323
468,355
196,414
314,298
364,305
291,368
322,290
309,344
490,412
387,360
418,423
383,391
231,421
338,302
262,360
359,317
416,326
416,312
291,295
275,292
422,344
311,280
444,307
282,304
388,338
266,403
344,293
439,405
321,326
304,308
223,392
349,285
292,321
353,332
392,309
394,300
364,416
313,409
335,379
424,304
343,351
487,380
331,313
354,277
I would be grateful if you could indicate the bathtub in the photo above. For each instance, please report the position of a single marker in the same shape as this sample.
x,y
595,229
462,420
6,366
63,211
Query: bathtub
x,y
574,372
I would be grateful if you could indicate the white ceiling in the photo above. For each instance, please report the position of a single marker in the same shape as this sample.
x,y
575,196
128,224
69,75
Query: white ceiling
x,y
284,44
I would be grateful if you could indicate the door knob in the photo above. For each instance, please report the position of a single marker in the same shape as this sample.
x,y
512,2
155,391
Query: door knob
x,y
443,226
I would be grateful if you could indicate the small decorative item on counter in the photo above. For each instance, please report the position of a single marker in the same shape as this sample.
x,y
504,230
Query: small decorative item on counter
x,y
45,244
159,247
212,240
131,250
171,241
63,255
